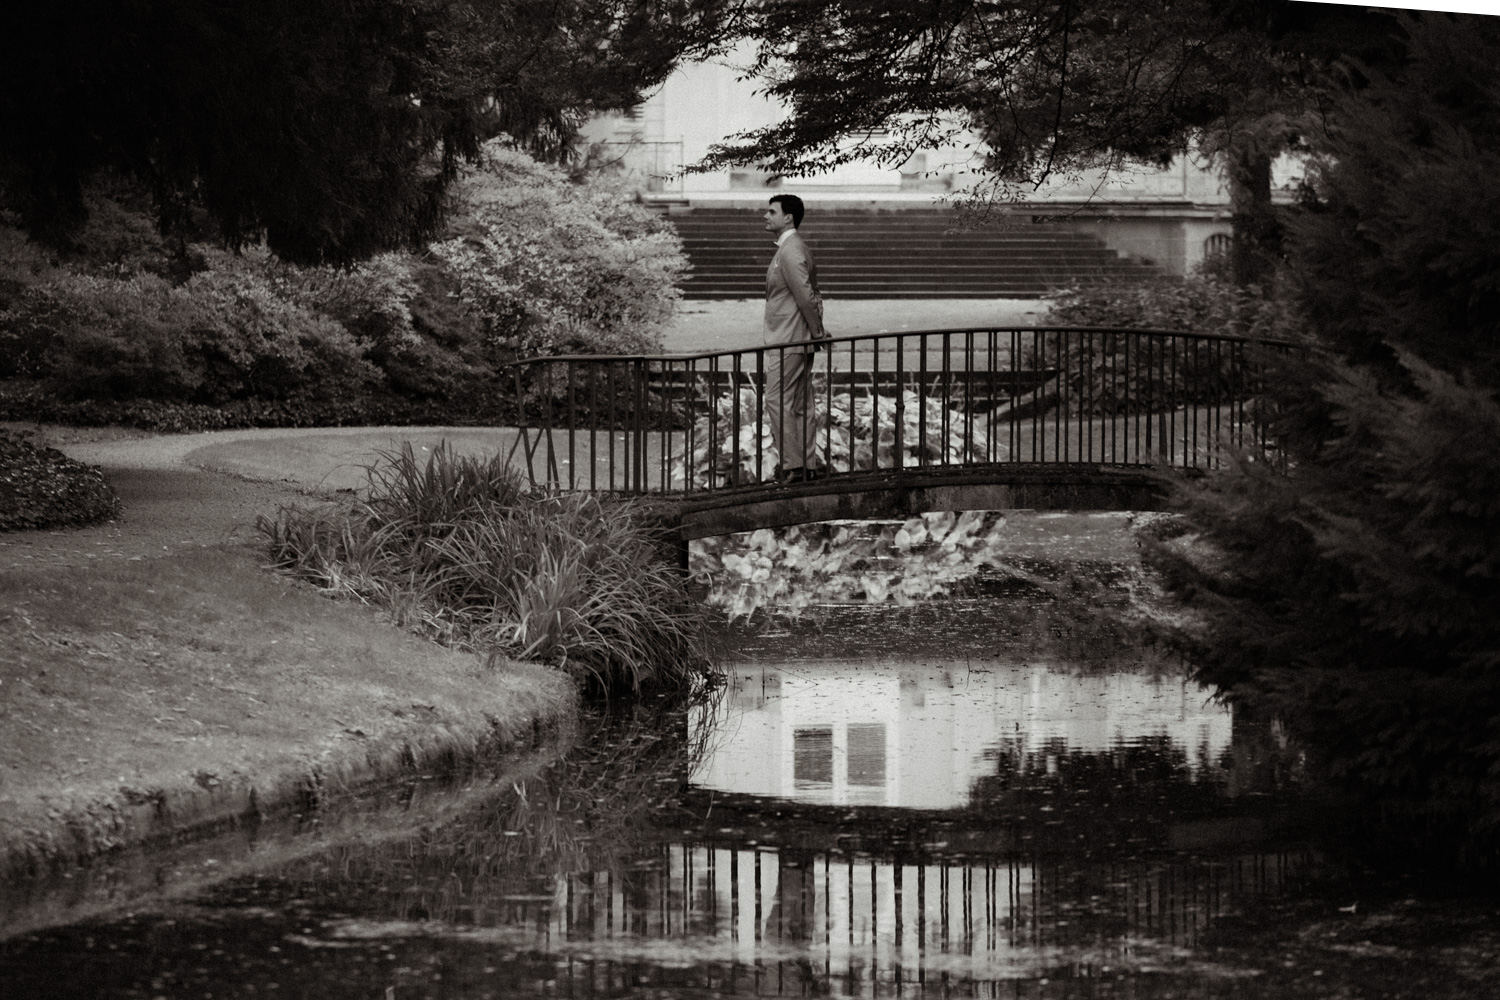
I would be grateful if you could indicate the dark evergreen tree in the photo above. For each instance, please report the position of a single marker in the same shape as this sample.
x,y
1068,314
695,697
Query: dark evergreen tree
x,y
1355,591
329,127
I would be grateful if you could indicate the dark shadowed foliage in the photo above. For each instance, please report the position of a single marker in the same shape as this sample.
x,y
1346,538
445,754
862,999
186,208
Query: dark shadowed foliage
x,y
1355,594
330,128
43,488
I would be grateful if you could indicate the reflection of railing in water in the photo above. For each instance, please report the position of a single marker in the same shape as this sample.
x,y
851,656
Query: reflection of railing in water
x,y
927,400
781,923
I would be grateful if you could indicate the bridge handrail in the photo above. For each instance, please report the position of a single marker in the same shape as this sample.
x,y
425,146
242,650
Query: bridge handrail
x,y
950,331
1124,397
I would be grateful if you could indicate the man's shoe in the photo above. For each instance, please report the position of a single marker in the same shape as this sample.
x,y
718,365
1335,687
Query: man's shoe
x,y
794,475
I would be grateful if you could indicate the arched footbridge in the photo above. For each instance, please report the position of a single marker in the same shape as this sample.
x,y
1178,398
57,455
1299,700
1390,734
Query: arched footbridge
x,y
1053,418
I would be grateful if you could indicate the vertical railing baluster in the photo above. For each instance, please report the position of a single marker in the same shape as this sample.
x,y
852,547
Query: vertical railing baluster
x,y
522,426
921,402
690,423
1150,392
992,358
572,429
947,398
875,403
734,429
593,428
1012,423
611,389
760,414
1172,404
853,378
547,406
828,410
1132,432
1193,401
1093,403
899,452
1039,383
968,452
1065,363
668,428
713,422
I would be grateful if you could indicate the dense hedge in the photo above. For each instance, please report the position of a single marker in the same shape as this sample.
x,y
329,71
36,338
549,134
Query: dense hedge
x,y
43,488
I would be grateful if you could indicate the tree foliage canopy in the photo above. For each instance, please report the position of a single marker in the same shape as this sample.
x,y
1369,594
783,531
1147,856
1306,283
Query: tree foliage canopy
x,y
331,128
1044,84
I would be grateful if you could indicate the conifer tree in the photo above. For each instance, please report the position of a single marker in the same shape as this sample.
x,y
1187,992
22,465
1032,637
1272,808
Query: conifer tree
x,y
1353,590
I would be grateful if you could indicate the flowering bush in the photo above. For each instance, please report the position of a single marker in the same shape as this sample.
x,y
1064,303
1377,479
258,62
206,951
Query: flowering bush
x,y
796,567
556,268
724,453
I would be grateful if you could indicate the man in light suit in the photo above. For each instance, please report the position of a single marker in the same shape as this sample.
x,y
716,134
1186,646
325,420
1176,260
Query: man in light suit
x,y
794,312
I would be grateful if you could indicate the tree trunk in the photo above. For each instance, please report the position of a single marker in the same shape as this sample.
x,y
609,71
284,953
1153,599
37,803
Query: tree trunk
x,y
1257,232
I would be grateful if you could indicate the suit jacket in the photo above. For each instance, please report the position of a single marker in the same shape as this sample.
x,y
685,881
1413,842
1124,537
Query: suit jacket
x,y
791,293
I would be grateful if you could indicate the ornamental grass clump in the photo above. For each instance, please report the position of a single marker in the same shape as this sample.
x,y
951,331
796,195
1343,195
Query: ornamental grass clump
x,y
458,550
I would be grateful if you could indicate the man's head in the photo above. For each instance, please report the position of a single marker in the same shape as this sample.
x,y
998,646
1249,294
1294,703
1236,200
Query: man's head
x,y
786,210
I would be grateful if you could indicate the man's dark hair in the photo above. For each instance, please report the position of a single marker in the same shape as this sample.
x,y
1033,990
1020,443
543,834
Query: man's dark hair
x,y
792,205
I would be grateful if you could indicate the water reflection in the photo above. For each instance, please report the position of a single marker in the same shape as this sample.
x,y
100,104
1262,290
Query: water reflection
x,y
925,737
957,825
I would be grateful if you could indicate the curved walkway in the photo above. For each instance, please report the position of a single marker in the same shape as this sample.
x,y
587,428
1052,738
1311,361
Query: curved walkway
x,y
170,504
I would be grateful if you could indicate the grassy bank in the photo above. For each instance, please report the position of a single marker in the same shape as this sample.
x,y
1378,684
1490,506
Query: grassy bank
x,y
142,697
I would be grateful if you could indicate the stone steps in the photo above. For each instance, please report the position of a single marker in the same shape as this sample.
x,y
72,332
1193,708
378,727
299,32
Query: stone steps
x,y
897,255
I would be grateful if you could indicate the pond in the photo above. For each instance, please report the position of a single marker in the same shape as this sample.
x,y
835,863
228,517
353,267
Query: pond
x,y
926,801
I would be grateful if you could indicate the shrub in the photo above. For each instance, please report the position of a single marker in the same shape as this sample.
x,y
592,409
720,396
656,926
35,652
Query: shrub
x,y
555,268
1105,373
1198,304
43,488
223,335
456,549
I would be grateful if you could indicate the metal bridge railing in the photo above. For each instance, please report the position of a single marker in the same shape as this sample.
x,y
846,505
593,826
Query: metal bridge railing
x,y
890,403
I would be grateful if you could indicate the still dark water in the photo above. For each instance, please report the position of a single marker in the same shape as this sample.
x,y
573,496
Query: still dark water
x,y
946,800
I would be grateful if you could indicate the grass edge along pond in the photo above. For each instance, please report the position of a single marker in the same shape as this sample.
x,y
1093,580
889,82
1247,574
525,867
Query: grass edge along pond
x,y
147,698
456,549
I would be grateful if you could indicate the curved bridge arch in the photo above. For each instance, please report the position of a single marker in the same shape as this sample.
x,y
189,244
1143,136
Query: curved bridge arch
x,y
1061,418
869,497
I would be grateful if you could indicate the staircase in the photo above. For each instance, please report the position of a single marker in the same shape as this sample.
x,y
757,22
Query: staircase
x,y
905,254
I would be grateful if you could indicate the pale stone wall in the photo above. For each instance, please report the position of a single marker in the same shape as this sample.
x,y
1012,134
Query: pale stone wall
x,y
1165,215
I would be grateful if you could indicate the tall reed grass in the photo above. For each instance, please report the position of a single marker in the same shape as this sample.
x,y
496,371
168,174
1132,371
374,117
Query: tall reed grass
x,y
457,549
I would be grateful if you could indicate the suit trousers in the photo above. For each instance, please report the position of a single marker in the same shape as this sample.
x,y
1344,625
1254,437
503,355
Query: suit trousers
x,y
789,407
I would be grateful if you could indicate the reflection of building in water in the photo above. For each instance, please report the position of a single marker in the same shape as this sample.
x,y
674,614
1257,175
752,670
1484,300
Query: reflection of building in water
x,y
920,737
797,923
